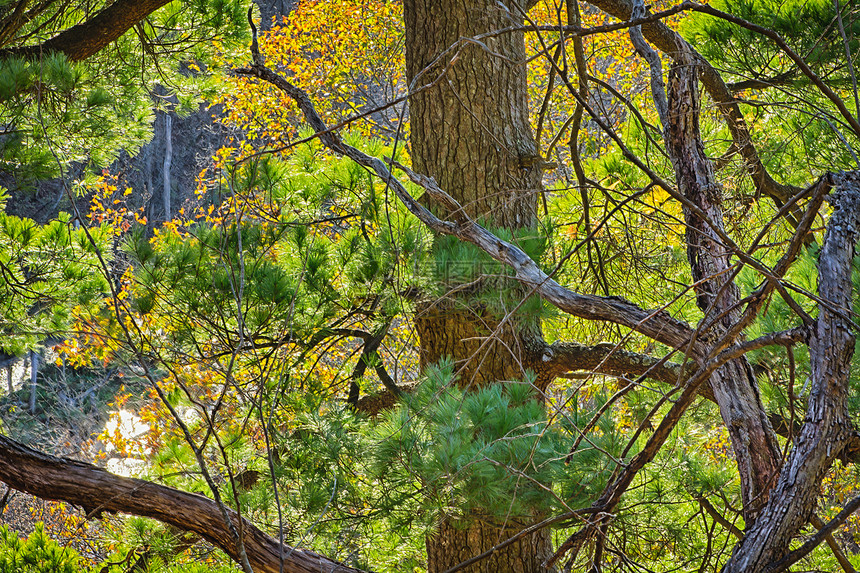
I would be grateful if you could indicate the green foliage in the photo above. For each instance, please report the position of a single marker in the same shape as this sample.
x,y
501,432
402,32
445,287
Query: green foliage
x,y
47,271
800,134
807,26
463,266
155,548
36,554
490,451
55,113
254,310
327,244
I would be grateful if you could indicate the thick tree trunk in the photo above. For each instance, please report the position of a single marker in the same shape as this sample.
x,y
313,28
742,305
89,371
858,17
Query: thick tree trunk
x,y
452,545
470,129
471,133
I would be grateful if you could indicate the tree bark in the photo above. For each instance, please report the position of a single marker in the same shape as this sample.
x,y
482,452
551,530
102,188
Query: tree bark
x,y
98,491
827,428
471,133
92,36
734,385
453,544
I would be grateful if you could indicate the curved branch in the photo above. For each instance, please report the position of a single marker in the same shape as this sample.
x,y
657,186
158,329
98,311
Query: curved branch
x,y
827,427
90,37
665,39
658,325
98,491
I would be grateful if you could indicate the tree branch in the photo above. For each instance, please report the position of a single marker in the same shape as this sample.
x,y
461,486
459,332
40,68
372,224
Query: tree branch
x,y
718,517
658,325
815,540
98,491
665,40
834,546
90,37
827,428
606,358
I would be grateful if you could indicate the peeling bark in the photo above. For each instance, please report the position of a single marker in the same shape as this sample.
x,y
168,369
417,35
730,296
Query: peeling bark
x,y
734,385
827,428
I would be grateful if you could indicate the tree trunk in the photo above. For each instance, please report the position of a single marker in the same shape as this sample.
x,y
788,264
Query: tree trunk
x,y
471,133
734,385
452,545
827,427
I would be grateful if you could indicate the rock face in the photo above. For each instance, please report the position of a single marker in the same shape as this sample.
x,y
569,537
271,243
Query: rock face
x,y
270,9
180,148
194,139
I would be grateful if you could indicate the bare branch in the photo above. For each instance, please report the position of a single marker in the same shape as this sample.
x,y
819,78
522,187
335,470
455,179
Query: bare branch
x,y
99,491
827,429
658,86
658,325
665,39
815,540
606,358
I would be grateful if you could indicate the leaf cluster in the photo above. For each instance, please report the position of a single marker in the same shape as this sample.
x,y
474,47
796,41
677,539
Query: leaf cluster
x,y
47,271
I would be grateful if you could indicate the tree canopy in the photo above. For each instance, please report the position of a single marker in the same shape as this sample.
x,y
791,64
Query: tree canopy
x,y
486,286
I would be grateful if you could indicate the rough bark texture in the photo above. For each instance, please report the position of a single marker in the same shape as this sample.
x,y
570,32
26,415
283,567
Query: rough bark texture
x,y
485,348
471,133
470,130
452,545
97,491
91,36
827,427
734,385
